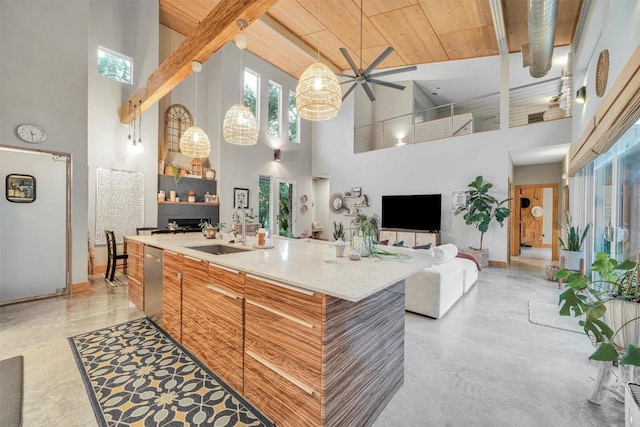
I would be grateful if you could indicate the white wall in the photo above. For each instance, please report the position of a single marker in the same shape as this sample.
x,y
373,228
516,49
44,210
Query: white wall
x,y
433,167
620,22
43,80
130,28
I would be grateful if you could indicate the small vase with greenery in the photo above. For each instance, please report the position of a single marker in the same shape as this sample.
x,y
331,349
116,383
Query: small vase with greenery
x,y
480,210
364,236
208,230
338,236
611,310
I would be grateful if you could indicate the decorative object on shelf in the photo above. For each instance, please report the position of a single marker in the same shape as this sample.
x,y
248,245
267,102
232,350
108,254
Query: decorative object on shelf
x,y
214,198
241,197
303,209
356,191
207,197
602,73
172,225
192,196
161,196
20,188
240,126
33,134
208,230
537,211
194,141
303,199
172,196
318,92
480,209
336,203
177,119
554,112
196,168
210,174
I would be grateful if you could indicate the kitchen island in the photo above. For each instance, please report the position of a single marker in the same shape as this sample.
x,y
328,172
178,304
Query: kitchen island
x,y
309,343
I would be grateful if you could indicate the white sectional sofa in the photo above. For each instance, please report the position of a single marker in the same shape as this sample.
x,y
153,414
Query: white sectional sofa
x,y
434,290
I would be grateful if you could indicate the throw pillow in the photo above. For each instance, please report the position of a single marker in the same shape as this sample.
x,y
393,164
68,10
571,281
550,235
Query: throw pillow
x,y
383,242
444,253
427,246
471,257
399,243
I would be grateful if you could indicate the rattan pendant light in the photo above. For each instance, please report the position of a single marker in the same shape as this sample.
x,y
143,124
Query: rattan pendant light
x,y
240,126
194,141
318,93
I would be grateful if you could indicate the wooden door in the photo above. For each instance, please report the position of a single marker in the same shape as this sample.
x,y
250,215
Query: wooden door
x,y
531,231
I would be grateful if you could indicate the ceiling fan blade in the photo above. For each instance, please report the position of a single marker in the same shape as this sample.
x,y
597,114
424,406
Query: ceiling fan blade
x,y
352,79
367,89
346,75
398,70
350,61
388,84
353,86
378,60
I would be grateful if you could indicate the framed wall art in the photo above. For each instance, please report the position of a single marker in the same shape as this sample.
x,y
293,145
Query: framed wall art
x,y
240,197
20,188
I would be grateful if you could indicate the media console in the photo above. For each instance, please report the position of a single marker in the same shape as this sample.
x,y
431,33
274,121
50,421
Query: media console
x,y
410,237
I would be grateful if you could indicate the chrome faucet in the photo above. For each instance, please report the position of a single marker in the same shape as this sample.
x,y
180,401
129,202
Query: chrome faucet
x,y
244,225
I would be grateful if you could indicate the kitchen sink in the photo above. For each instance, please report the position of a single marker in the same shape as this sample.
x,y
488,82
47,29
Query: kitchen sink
x,y
218,249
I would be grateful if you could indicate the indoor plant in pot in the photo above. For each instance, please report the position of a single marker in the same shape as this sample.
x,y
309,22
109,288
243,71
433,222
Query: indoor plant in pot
x,y
364,233
338,236
480,209
611,310
571,250
208,230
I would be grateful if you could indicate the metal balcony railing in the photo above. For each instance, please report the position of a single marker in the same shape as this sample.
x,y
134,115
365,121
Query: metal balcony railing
x,y
527,104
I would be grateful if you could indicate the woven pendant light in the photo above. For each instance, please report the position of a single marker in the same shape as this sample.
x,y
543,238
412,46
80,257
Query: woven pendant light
x,y
240,126
194,142
318,93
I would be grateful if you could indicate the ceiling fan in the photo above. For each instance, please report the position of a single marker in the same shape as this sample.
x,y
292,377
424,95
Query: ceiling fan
x,y
364,77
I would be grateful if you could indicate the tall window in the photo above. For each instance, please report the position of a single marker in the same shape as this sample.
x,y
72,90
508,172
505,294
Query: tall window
x,y
252,91
293,118
114,65
275,92
264,199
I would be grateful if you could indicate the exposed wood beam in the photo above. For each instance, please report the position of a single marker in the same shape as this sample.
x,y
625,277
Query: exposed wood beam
x,y
216,29
298,43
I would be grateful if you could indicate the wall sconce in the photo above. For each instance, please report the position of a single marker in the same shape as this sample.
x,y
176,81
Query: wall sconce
x,y
581,95
276,154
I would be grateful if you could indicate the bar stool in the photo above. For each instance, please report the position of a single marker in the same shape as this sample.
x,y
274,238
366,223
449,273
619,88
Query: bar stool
x,y
113,256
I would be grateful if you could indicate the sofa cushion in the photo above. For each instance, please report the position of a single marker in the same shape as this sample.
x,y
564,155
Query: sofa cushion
x,y
399,243
444,253
427,246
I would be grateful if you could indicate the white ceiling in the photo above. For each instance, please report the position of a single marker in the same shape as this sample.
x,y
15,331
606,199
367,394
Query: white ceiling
x,y
539,155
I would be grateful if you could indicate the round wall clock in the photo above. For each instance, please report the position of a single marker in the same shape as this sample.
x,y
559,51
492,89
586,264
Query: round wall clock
x,y
602,72
177,120
32,134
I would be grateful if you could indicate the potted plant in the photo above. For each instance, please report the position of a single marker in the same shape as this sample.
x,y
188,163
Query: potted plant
x,y
571,250
338,236
364,233
554,112
208,230
480,209
611,310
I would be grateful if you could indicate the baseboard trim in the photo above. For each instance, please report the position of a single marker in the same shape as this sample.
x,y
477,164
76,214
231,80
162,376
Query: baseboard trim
x,y
80,287
499,264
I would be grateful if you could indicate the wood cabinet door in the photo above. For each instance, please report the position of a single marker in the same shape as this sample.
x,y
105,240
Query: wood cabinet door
x,y
172,295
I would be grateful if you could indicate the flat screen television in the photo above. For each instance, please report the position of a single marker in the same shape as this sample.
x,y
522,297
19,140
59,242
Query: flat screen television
x,y
412,212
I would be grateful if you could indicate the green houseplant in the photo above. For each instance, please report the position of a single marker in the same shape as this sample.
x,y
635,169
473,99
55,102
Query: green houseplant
x,y
364,236
338,236
611,310
480,209
571,249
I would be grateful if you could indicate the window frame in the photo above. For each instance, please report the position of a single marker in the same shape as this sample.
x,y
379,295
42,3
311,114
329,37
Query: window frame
x,y
122,56
279,106
292,95
244,84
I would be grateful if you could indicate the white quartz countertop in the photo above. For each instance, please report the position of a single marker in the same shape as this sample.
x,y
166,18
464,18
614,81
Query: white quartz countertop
x,y
300,263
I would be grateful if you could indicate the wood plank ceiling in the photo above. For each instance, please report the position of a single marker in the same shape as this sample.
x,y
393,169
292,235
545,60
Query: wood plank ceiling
x,y
421,31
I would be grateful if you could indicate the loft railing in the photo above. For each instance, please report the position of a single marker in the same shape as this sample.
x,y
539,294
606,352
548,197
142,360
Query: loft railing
x,y
527,104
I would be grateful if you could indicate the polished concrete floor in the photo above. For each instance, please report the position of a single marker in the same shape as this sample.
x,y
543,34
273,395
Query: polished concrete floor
x,y
482,364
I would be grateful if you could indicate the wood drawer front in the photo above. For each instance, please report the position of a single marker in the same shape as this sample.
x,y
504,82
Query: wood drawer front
x,y
136,292
227,279
280,399
388,235
408,237
172,303
295,303
223,357
135,248
426,238
172,260
195,267
135,267
285,343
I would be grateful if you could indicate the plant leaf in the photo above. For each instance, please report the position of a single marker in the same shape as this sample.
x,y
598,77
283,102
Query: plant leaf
x,y
606,352
632,356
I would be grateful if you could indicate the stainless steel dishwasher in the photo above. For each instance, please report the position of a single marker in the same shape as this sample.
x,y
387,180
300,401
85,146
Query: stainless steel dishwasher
x,y
153,283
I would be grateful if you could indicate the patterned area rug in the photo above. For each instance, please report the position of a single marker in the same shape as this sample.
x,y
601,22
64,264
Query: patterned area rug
x,y
541,313
136,375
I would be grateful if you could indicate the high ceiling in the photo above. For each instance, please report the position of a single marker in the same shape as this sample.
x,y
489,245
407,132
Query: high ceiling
x,y
421,31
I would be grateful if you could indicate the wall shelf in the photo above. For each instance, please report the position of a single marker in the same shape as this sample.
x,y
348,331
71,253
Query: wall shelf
x,y
168,202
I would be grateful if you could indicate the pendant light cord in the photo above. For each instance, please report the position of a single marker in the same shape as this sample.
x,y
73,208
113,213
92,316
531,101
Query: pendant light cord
x,y
319,22
196,109
361,19
140,122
